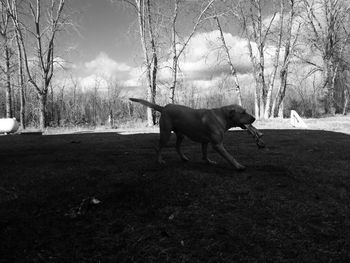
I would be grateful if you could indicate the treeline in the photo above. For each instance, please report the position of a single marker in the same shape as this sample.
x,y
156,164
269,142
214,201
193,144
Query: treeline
x,y
72,106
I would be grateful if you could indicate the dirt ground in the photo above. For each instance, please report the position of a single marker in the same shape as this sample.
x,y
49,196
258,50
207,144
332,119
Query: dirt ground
x,y
101,197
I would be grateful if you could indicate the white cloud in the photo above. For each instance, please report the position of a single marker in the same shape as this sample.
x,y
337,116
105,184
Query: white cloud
x,y
103,69
204,57
203,64
93,81
104,65
204,50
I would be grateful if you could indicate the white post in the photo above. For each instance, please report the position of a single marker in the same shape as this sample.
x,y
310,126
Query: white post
x,y
296,120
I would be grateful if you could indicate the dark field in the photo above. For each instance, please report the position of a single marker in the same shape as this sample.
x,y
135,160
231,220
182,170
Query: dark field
x,y
101,197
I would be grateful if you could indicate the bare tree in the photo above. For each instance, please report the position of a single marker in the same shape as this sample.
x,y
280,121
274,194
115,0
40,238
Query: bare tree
x,y
343,90
251,15
21,82
229,61
179,47
10,34
6,37
44,33
288,47
146,25
153,65
267,110
346,97
328,35
113,94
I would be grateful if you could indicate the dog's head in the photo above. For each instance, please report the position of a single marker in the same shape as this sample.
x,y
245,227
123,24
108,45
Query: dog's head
x,y
238,116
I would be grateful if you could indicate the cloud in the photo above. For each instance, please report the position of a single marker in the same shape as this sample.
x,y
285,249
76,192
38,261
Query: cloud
x,y
104,65
203,64
102,69
205,58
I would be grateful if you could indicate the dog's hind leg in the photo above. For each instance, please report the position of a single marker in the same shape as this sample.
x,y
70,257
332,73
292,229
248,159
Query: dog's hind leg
x,y
163,140
222,151
164,136
179,139
205,153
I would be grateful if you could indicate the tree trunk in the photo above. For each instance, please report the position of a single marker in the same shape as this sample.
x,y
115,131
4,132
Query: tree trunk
x,y
237,87
149,111
329,78
154,88
256,78
261,64
280,110
175,56
22,105
258,95
152,91
261,92
256,104
52,111
174,77
21,83
273,107
346,100
8,83
141,9
281,91
42,110
277,101
154,63
267,111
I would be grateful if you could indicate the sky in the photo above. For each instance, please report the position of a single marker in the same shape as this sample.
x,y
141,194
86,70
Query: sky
x,y
106,45
103,27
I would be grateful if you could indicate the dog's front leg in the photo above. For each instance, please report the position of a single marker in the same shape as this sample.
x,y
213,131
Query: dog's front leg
x,y
179,139
205,153
222,151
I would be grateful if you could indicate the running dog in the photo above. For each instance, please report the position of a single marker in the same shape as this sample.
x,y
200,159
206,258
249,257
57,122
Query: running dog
x,y
200,125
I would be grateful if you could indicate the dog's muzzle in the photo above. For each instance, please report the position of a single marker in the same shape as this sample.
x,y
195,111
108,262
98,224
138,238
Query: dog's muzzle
x,y
248,119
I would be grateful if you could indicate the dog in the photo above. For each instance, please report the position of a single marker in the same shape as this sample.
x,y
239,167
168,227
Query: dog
x,y
200,125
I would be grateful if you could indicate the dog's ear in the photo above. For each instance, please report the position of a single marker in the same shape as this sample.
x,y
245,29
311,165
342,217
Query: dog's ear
x,y
232,114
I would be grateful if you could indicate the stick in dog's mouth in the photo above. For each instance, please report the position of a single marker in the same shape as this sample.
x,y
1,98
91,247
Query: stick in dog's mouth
x,y
256,134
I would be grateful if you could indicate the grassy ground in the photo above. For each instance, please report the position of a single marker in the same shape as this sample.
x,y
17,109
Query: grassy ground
x,y
338,123
100,197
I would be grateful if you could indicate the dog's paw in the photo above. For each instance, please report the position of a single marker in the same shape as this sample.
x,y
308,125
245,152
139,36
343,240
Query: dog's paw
x,y
240,167
161,162
210,162
184,158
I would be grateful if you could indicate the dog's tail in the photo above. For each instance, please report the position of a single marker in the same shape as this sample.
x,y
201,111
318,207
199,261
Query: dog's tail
x,y
148,104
